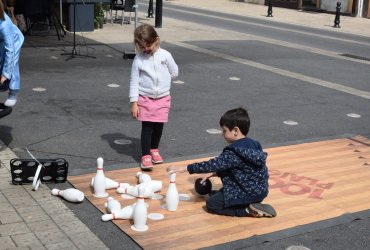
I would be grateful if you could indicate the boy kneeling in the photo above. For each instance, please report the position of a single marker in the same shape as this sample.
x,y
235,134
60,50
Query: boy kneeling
x,y
242,169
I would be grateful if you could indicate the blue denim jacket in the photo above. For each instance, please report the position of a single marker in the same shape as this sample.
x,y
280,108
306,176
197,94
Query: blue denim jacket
x,y
11,40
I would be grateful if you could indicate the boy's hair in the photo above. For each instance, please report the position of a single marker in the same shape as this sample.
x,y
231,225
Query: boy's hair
x,y
145,35
236,118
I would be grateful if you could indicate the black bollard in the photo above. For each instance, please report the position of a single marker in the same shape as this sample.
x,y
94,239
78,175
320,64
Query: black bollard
x,y
158,13
269,10
150,9
337,16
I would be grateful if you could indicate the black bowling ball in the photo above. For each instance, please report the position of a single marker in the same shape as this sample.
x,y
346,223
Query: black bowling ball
x,y
203,188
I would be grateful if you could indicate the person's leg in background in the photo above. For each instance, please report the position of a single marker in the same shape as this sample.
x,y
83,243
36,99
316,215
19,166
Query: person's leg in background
x,y
15,81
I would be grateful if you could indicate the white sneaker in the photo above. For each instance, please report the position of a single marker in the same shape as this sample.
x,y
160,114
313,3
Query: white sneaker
x,y
11,101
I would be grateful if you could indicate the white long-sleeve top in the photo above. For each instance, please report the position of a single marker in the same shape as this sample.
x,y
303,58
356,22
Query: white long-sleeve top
x,y
151,75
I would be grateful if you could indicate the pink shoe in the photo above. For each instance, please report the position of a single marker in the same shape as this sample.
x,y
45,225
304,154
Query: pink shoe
x,y
156,157
146,162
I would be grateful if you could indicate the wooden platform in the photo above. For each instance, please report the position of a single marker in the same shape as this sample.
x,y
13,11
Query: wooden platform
x,y
309,182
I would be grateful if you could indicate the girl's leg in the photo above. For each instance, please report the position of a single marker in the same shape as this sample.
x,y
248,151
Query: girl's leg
x,y
156,135
146,137
215,204
156,138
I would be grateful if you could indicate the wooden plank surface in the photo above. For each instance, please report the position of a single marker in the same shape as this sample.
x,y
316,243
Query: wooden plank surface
x,y
309,182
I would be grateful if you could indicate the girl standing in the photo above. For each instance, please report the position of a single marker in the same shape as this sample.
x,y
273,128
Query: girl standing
x,y
152,72
11,40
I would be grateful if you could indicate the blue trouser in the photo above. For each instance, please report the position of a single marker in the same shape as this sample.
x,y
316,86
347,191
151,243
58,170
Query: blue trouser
x,y
15,80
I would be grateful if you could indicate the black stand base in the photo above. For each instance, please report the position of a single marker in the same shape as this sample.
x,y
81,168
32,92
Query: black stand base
x,y
129,55
74,54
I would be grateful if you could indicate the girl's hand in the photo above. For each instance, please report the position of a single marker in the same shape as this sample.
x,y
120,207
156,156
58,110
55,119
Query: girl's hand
x,y
134,110
174,169
3,79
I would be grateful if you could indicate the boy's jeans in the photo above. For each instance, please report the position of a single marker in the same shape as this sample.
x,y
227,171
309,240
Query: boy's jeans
x,y
215,204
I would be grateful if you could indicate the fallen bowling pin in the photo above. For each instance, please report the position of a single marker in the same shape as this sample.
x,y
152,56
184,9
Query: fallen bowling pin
x,y
134,191
140,212
112,205
172,195
69,194
125,213
109,183
154,184
143,177
99,180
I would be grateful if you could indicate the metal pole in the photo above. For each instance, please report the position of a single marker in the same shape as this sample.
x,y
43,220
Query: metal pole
x,y
61,12
269,10
337,16
150,9
360,7
158,13
136,6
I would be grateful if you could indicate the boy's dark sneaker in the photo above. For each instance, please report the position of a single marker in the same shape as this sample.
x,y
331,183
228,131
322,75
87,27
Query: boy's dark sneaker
x,y
259,210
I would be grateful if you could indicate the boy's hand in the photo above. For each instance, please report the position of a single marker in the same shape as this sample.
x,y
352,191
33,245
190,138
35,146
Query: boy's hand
x,y
179,169
134,110
207,176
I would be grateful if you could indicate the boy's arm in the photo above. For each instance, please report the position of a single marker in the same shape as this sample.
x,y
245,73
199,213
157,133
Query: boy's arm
x,y
225,161
183,169
177,169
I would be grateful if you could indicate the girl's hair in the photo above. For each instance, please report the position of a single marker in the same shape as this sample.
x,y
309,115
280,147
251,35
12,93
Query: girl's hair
x,y
236,118
145,35
2,17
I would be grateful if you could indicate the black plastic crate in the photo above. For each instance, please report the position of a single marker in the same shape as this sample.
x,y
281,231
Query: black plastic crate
x,y
53,170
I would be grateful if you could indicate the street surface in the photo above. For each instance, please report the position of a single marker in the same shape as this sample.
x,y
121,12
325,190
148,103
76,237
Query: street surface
x,y
298,83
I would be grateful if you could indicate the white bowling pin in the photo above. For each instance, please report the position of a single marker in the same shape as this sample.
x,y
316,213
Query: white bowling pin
x,y
109,183
112,205
99,180
69,194
154,184
172,195
125,213
134,191
143,177
140,212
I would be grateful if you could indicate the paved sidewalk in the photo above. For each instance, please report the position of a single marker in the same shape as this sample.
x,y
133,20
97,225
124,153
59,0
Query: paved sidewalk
x,y
360,26
173,30
36,219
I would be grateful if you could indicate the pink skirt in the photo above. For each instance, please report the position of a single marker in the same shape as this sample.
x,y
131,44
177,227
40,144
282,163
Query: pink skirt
x,y
154,110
